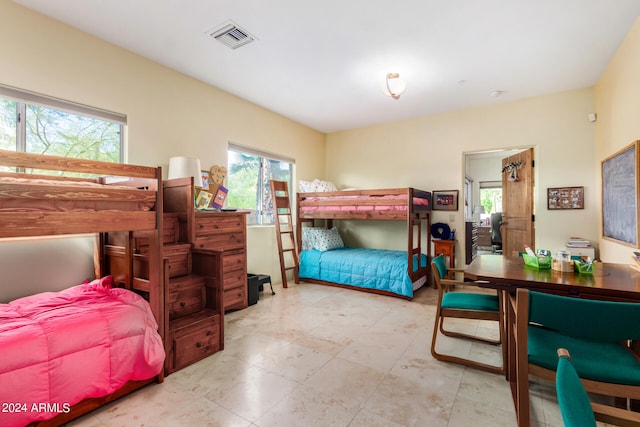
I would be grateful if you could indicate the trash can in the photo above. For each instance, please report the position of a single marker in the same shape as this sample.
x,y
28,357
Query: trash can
x,y
252,289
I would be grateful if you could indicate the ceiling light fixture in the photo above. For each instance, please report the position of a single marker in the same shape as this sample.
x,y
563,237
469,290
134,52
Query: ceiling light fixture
x,y
394,86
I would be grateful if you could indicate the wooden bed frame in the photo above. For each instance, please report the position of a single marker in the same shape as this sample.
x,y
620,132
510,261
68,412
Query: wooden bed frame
x,y
31,207
412,213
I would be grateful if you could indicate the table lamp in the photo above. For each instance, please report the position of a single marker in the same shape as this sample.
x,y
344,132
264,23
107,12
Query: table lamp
x,y
184,167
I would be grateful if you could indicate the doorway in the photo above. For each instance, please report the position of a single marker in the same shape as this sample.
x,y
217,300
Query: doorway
x,y
485,193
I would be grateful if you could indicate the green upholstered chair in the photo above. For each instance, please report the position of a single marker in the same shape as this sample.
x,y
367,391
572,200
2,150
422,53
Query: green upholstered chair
x,y
464,305
573,400
598,336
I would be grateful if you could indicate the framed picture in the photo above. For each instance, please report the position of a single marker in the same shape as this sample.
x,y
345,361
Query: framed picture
x,y
445,200
219,196
620,195
565,198
203,200
204,175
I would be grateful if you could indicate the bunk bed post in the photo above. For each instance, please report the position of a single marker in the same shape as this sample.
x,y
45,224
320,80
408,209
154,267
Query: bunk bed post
x,y
156,264
410,242
99,260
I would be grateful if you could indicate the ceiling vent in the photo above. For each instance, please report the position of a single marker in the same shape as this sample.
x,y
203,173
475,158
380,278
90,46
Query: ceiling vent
x,y
231,35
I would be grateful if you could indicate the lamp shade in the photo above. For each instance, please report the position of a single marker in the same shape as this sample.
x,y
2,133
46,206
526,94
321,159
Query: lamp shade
x,y
184,167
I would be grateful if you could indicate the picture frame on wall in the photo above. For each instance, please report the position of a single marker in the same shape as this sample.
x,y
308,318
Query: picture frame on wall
x,y
565,198
445,200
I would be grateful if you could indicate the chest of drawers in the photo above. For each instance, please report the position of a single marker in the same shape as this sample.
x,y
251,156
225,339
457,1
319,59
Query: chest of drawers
x,y
225,234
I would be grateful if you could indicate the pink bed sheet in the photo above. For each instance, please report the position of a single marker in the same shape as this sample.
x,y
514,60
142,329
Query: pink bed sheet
x,y
380,206
58,348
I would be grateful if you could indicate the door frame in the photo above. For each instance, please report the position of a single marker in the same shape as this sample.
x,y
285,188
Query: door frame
x,y
497,153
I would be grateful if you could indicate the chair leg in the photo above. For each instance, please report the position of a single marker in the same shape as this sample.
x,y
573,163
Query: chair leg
x,y
459,360
473,337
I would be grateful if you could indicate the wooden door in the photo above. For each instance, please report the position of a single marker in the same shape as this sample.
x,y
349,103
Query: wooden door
x,y
518,229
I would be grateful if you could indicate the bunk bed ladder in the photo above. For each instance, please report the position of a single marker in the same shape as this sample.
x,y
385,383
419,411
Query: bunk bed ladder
x,y
287,250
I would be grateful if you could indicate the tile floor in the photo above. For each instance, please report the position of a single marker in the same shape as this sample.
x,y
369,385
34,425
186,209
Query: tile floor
x,y
315,355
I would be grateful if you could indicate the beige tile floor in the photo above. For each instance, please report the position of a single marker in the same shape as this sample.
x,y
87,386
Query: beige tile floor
x,y
315,355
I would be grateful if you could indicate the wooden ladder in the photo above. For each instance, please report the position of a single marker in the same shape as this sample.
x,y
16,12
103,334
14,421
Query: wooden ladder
x,y
284,228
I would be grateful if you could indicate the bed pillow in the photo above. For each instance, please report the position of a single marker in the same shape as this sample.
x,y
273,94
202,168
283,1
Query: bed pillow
x,y
316,186
308,237
307,186
325,240
322,186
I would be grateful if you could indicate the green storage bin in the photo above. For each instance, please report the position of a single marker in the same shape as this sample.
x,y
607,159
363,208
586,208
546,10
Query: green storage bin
x,y
539,261
583,267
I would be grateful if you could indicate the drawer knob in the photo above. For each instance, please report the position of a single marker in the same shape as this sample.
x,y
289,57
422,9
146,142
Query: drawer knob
x,y
198,344
182,304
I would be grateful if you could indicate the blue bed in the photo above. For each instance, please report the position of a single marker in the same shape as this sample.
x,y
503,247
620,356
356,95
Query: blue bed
x,y
375,269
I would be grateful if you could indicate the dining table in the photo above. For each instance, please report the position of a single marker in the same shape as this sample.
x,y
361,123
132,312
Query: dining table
x,y
608,281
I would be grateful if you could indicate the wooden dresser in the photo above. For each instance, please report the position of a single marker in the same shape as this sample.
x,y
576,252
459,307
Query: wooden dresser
x,y
484,236
224,234
470,241
204,272
193,299
220,235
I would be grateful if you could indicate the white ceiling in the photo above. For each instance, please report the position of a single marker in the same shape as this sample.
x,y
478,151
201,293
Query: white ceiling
x,y
322,63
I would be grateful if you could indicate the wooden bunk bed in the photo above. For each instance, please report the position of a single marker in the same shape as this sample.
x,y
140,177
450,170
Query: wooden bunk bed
x,y
410,205
33,202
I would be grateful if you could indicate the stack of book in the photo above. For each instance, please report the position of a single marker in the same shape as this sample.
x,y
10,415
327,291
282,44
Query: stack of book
x,y
578,242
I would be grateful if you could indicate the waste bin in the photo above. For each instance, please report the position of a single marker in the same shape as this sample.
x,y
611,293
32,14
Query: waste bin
x,y
252,289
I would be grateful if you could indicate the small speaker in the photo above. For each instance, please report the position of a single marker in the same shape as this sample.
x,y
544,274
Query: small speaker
x,y
592,117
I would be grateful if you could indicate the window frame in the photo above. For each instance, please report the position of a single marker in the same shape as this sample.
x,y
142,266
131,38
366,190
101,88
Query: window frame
x,y
262,155
23,97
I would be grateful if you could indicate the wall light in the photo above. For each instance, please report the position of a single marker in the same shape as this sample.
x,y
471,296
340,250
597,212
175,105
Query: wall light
x,y
394,85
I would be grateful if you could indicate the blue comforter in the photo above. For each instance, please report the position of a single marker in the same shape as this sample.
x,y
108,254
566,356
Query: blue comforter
x,y
381,269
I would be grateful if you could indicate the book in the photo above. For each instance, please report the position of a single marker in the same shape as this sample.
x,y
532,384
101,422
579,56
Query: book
x,y
578,242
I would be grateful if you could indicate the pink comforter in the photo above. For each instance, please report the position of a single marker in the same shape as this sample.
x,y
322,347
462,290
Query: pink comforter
x,y
57,349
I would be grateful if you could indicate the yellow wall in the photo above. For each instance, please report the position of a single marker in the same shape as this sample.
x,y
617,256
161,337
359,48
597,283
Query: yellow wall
x,y
617,103
171,114
168,113
428,152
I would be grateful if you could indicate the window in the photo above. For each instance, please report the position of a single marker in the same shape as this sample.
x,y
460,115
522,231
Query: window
x,y
38,124
249,174
490,197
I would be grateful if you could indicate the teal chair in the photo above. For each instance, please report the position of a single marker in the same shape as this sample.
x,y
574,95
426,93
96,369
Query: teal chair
x,y
464,305
573,400
598,336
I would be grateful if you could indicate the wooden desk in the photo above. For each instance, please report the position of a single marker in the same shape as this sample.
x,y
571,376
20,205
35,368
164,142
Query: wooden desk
x,y
609,281
616,282
445,248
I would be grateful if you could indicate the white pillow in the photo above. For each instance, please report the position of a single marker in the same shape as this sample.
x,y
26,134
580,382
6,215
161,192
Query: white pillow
x,y
325,240
308,236
316,186
307,186
324,186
